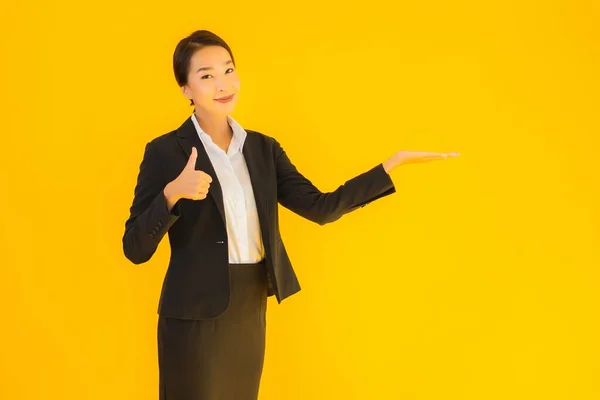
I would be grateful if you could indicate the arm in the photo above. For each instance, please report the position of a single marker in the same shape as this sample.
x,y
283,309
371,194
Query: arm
x,y
150,217
296,193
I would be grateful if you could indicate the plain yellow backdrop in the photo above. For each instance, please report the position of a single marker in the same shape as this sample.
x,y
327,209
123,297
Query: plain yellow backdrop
x,y
477,280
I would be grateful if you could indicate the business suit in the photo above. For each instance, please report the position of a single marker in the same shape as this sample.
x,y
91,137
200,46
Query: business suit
x,y
196,228
197,290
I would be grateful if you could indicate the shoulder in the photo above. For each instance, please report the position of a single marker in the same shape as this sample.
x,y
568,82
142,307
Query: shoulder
x,y
163,140
259,136
164,145
263,140
169,140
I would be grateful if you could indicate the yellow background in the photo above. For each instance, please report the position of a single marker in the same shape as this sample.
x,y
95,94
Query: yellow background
x,y
477,280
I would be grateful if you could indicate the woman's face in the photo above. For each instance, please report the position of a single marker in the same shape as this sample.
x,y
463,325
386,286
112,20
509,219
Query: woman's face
x,y
212,76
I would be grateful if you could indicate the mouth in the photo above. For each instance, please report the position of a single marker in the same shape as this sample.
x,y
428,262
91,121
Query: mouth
x,y
225,99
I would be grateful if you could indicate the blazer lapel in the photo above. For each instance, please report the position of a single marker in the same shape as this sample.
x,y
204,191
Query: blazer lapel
x,y
254,157
255,161
188,138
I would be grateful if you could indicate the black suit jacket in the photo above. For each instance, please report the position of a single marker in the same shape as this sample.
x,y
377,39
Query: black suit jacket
x,y
196,284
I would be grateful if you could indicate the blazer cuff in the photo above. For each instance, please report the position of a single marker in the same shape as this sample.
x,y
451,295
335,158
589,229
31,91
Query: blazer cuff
x,y
381,184
386,179
161,217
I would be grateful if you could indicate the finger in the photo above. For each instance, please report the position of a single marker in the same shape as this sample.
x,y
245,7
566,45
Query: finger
x,y
434,157
419,154
444,154
191,164
206,177
202,176
435,154
202,190
203,186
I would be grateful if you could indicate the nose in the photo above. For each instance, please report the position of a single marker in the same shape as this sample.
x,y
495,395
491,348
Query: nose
x,y
221,84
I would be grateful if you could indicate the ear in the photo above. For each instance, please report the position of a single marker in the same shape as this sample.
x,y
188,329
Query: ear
x,y
186,92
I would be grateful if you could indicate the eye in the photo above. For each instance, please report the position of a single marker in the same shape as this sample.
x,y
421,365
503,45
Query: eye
x,y
205,76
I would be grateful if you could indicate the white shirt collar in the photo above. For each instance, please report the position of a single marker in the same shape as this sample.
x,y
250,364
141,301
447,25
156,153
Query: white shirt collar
x,y
237,141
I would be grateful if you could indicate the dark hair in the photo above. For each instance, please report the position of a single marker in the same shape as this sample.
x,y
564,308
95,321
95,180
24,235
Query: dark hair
x,y
188,46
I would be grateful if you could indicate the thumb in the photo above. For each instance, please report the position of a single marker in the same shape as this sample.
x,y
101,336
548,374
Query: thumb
x,y
191,164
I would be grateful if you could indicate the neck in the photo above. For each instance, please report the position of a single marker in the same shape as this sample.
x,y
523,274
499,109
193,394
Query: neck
x,y
217,127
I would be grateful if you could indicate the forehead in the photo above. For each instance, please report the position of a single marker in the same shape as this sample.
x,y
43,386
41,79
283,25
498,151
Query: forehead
x,y
209,56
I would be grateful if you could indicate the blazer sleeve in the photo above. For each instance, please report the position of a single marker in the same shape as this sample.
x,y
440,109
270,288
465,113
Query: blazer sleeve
x,y
296,193
149,218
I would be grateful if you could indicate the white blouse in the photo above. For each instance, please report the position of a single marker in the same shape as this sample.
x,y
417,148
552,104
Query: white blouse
x,y
243,228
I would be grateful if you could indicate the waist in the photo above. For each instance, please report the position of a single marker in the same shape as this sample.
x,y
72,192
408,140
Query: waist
x,y
261,262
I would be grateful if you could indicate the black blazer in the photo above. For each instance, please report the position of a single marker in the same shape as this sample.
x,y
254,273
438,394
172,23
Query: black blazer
x,y
196,284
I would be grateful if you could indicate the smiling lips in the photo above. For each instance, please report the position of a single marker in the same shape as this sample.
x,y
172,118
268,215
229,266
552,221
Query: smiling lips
x,y
225,99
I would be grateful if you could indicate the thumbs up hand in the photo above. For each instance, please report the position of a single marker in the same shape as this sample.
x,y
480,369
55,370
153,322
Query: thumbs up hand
x,y
190,184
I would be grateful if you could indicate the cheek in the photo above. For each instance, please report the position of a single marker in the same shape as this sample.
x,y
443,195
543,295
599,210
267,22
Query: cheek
x,y
235,81
203,90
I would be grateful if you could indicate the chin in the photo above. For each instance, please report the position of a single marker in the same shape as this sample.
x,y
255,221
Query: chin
x,y
225,108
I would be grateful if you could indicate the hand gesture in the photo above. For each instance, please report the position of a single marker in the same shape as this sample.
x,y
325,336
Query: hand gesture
x,y
411,157
190,184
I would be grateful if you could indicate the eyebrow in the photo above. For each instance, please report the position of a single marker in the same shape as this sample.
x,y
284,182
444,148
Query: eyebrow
x,y
210,68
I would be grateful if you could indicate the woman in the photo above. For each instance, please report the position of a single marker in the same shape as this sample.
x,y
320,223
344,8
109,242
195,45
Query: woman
x,y
215,187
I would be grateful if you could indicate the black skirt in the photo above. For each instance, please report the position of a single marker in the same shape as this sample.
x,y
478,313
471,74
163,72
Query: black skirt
x,y
221,358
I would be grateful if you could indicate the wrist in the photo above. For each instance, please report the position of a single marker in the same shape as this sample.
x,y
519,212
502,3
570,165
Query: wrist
x,y
389,165
170,197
